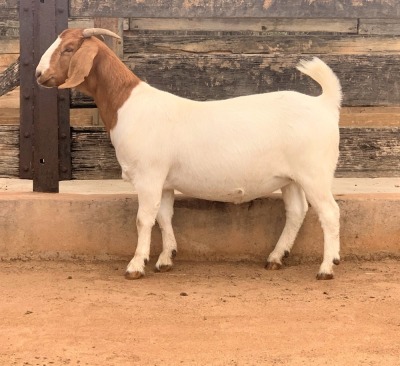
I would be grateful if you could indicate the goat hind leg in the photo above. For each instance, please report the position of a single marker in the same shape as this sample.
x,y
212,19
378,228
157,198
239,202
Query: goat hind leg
x,y
296,207
164,218
321,199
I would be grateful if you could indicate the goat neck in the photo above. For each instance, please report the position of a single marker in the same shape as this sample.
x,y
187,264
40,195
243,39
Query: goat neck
x,y
110,83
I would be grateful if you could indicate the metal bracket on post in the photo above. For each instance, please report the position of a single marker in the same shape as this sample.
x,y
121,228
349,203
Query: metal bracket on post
x,y
45,153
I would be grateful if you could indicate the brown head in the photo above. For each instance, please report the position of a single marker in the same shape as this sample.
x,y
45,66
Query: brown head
x,y
68,61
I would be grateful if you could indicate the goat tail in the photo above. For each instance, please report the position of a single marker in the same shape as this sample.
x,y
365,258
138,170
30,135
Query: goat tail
x,y
324,76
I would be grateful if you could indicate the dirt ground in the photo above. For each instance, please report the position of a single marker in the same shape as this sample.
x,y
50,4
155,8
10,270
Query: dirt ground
x,y
76,313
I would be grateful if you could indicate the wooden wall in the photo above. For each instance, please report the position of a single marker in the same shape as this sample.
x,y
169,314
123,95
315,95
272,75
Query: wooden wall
x,y
225,48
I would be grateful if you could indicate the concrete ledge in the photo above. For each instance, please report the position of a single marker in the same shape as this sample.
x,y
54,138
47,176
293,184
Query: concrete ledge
x,y
102,226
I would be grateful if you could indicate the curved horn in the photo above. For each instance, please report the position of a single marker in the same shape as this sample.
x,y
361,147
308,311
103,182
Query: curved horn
x,y
88,32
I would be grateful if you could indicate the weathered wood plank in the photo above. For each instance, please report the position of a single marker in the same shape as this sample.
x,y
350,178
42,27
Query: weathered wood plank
x,y
93,156
8,3
380,26
9,46
9,147
237,8
257,25
10,100
159,42
366,79
368,152
80,23
9,116
349,116
364,152
372,152
9,78
370,117
9,13
78,117
6,59
9,28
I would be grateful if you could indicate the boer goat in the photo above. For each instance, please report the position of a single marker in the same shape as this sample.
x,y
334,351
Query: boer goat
x,y
233,150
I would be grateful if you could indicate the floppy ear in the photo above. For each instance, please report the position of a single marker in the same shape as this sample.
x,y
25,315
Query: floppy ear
x,y
80,65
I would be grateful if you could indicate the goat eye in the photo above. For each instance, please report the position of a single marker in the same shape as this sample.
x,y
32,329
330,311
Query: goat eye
x,y
68,49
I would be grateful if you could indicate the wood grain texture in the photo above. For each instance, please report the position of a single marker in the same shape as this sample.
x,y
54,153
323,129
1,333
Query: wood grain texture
x,y
264,25
367,80
9,14
244,43
8,3
9,46
9,147
78,117
9,78
380,26
370,117
9,28
237,8
349,117
370,152
364,152
8,10
93,156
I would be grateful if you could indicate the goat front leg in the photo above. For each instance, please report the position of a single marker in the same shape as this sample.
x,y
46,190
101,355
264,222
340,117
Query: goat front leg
x,y
149,203
164,218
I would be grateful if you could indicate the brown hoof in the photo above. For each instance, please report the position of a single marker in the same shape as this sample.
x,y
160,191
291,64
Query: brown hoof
x,y
324,276
164,268
273,266
133,275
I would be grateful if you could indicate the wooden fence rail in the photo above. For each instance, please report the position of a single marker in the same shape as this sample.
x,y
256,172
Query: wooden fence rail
x,y
237,8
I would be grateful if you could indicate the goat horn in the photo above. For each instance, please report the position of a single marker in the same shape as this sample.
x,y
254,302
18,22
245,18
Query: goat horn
x,y
88,32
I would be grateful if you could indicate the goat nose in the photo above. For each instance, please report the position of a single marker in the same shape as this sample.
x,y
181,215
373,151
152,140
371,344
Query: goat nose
x,y
38,74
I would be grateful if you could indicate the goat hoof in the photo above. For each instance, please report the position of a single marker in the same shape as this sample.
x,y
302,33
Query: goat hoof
x,y
133,275
273,266
173,254
286,254
164,268
324,276
336,261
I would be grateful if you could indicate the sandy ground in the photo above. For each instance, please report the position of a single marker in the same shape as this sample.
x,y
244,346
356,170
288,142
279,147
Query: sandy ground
x,y
75,313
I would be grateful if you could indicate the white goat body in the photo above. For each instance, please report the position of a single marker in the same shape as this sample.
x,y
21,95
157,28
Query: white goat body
x,y
233,150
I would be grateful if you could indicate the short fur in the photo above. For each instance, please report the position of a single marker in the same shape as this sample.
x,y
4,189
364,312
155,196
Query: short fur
x,y
233,150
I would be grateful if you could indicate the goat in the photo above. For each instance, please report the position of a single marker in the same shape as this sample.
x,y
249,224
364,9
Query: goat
x,y
233,150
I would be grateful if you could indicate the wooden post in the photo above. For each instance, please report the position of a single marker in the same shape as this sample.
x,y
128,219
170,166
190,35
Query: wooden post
x,y
44,134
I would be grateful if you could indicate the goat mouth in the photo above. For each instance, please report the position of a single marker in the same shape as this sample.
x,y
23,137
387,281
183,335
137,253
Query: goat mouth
x,y
48,83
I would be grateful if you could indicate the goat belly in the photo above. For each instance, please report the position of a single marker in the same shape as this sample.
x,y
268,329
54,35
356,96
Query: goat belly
x,y
226,190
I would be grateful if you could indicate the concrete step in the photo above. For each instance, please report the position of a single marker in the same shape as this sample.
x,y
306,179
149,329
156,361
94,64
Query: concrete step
x,y
96,220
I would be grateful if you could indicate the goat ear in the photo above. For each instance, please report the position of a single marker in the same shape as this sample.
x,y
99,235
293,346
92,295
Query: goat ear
x,y
80,65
